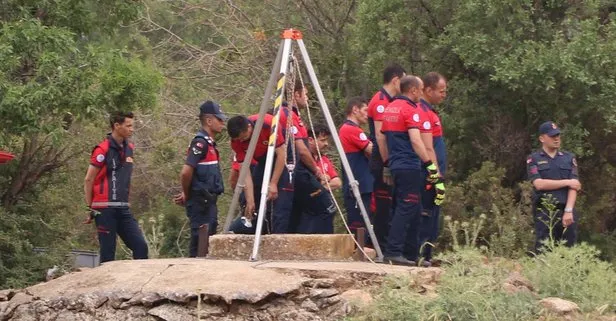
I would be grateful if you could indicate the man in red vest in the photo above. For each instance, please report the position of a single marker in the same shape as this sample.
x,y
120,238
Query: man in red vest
x,y
106,189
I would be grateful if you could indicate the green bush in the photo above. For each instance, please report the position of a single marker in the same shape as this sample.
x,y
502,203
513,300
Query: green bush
x,y
468,290
575,274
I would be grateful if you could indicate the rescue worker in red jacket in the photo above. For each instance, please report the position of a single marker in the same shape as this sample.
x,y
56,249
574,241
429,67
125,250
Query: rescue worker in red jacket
x,y
380,169
358,150
106,189
404,123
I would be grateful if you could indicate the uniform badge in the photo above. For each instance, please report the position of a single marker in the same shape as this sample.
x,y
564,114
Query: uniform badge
x,y
196,151
542,162
294,130
380,109
426,125
363,136
528,161
100,158
200,145
416,117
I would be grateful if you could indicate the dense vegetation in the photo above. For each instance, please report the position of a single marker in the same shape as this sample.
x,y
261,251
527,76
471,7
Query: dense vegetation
x,y
512,65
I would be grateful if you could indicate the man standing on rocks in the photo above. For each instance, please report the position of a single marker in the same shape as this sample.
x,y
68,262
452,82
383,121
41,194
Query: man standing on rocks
x,y
554,175
403,123
435,91
380,169
201,177
358,150
106,189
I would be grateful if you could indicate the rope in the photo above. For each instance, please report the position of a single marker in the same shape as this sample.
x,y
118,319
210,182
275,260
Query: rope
x,y
346,225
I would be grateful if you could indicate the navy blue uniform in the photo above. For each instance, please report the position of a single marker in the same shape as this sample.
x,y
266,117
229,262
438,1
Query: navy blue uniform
x,y
400,116
354,142
382,191
206,185
110,197
562,166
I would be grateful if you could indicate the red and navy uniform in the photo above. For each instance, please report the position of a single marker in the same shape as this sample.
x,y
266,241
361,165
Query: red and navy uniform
x,y
400,116
428,231
112,183
376,109
279,220
313,208
382,191
206,185
354,143
562,166
240,147
110,197
326,167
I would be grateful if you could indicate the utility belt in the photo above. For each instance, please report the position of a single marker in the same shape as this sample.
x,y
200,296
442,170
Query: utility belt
x,y
202,200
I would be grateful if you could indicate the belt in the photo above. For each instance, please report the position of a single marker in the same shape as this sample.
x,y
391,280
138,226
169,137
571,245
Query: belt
x,y
110,204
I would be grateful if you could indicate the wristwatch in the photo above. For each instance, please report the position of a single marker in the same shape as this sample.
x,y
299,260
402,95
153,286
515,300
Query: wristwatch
x,y
568,210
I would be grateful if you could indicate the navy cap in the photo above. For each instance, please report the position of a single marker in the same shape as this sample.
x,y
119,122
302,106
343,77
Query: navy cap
x,y
549,128
212,108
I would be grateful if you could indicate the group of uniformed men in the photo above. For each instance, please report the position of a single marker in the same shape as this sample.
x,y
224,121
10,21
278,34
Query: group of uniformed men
x,y
399,169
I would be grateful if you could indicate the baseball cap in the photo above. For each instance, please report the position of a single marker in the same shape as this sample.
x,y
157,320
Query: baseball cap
x,y
549,128
212,108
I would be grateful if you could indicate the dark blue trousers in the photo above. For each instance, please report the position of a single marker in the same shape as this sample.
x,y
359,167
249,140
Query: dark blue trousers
x,y
199,214
542,229
403,236
113,222
313,208
429,221
384,206
354,218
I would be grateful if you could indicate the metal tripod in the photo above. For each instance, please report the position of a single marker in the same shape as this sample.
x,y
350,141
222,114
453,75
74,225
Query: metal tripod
x,y
281,66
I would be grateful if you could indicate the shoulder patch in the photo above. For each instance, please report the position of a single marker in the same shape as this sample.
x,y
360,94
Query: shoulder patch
x,y
380,109
529,160
100,158
426,125
363,136
416,117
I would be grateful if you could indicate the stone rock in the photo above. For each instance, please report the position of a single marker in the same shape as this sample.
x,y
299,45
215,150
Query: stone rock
x,y
357,298
320,283
173,312
116,299
6,295
322,293
309,306
179,297
517,283
21,298
327,302
298,315
370,252
559,306
330,247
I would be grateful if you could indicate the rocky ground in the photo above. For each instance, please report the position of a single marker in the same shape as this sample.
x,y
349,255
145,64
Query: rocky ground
x,y
200,289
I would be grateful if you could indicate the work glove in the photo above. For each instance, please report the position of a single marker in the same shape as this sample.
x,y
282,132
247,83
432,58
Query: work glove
x,y
433,175
387,178
440,193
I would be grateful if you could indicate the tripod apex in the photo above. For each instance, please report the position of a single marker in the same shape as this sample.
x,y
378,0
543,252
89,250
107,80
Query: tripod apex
x,y
291,34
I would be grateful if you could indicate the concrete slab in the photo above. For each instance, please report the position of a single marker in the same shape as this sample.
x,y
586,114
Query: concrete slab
x,y
315,247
